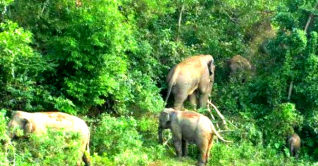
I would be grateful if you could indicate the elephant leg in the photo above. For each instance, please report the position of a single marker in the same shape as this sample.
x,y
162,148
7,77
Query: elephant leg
x,y
203,148
193,99
209,149
204,99
178,100
177,141
184,148
177,146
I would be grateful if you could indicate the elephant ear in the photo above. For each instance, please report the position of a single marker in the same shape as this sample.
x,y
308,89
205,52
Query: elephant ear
x,y
211,65
166,114
27,127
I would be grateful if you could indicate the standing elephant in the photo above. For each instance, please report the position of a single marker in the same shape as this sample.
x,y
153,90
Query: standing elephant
x,y
294,145
188,127
240,68
193,76
39,122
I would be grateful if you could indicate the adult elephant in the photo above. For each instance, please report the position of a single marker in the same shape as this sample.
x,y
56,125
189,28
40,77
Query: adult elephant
x,y
188,127
192,77
240,68
40,122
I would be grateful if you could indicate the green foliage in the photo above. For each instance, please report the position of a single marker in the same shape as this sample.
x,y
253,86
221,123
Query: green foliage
x,y
123,144
280,123
310,80
20,67
144,93
55,148
245,153
4,139
91,55
121,134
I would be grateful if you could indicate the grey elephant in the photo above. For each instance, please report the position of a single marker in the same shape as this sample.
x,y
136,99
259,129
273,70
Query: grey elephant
x,y
192,77
240,68
294,144
188,127
39,122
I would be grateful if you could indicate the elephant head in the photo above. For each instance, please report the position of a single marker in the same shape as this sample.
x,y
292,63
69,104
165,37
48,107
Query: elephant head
x,y
164,122
191,78
240,68
19,121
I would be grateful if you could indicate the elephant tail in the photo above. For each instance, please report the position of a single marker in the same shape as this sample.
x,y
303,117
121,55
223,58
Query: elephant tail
x,y
217,134
171,80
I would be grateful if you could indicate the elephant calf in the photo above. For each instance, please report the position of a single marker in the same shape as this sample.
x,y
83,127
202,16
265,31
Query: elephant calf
x,y
188,127
39,122
294,145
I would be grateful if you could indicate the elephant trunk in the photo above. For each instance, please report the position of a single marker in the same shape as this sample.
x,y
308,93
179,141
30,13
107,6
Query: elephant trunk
x,y
10,133
160,135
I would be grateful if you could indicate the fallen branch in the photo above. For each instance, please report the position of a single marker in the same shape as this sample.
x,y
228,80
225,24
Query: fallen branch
x,y
166,144
232,124
219,113
222,131
209,110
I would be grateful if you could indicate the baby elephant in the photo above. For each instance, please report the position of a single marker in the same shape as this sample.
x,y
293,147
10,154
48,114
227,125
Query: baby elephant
x,y
39,122
188,127
294,145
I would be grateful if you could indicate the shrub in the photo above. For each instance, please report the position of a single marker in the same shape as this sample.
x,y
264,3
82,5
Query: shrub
x,y
4,139
55,148
118,140
280,123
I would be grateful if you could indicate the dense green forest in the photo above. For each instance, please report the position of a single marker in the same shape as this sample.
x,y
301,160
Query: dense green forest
x,y
106,61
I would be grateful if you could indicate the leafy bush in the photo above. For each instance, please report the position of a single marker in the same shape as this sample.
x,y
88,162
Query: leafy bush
x,y
55,148
117,140
280,123
244,153
5,147
20,67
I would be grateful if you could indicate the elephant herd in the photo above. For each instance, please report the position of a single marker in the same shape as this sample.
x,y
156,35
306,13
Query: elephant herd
x,y
192,78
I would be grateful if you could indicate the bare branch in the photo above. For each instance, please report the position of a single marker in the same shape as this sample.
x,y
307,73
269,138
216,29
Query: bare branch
x,y
290,89
179,21
209,110
222,131
233,124
218,112
166,144
309,19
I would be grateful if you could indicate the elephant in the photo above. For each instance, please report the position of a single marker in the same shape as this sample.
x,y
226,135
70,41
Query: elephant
x,y
40,122
294,144
188,127
240,68
192,77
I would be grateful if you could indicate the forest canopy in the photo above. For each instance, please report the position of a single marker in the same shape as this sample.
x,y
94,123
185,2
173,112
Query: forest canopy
x,y
106,61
